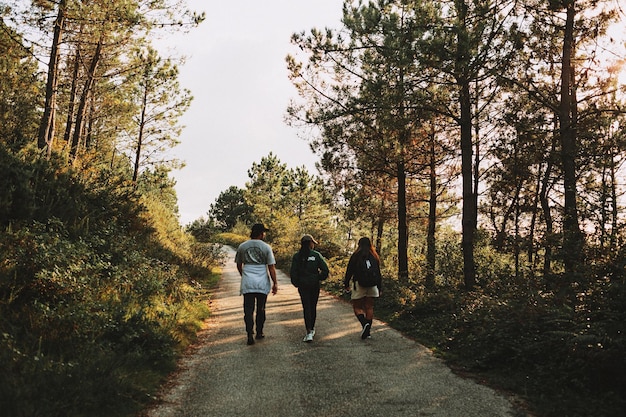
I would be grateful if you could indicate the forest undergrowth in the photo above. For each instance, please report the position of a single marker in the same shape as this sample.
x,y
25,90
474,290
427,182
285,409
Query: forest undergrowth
x,y
97,297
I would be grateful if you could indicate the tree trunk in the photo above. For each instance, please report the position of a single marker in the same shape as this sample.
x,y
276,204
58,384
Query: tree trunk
x,y
572,238
90,121
615,209
45,137
469,201
530,254
403,229
84,100
516,241
142,124
431,251
476,170
72,102
604,200
547,214
380,226
469,215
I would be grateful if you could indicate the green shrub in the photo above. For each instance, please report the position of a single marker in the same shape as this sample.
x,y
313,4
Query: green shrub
x,y
95,300
230,239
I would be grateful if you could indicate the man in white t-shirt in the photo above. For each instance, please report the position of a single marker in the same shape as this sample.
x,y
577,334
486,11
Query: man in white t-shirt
x,y
256,265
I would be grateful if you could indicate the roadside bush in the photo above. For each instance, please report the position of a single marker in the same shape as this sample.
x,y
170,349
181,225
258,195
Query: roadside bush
x,y
16,196
230,239
207,255
92,312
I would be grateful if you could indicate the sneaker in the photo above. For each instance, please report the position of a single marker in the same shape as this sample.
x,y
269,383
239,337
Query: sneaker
x,y
250,339
312,332
260,336
308,337
365,333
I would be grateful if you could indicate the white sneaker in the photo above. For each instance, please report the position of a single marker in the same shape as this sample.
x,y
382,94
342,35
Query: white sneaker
x,y
312,332
308,337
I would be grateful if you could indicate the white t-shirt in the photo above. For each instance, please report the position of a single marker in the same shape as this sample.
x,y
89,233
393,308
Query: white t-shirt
x,y
255,255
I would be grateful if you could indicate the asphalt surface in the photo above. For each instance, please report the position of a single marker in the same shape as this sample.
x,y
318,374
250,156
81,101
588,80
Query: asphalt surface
x,y
337,374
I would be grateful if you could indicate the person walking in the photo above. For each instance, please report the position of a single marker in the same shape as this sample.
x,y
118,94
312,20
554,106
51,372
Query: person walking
x,y
364,271
256,265
308,269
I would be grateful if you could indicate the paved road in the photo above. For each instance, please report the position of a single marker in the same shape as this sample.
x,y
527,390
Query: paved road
x,y
336,375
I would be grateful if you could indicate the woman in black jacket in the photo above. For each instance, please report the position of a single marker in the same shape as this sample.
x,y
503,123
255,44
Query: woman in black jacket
x,y
308,268
364,270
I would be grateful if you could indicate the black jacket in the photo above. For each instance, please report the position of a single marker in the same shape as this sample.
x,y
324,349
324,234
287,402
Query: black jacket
x,y
308,270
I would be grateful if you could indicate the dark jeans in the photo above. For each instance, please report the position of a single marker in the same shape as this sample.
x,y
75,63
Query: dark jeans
x,y
309,297
249,301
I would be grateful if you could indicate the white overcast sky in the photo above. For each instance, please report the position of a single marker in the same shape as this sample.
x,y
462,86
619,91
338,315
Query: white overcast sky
x,y
237,74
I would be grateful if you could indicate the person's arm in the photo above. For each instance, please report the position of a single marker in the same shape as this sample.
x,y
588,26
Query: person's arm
x,y
239,262
323,268
293,271
272,269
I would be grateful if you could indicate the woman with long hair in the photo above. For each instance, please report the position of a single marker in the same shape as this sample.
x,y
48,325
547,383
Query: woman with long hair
x,y
308,268
364,271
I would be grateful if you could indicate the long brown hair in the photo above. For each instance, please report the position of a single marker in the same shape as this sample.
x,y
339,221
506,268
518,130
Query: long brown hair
x,y
364,246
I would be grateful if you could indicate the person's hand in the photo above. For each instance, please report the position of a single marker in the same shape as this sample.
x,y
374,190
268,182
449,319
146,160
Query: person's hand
x,y
275,288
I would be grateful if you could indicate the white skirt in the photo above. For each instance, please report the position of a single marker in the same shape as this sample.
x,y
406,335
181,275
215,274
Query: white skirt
x,y
360,292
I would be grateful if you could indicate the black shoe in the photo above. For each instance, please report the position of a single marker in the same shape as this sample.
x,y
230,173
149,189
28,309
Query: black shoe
x,y
260,336
366,331
250,339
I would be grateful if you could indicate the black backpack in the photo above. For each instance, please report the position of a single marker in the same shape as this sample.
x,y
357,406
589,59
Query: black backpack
x,y
366,272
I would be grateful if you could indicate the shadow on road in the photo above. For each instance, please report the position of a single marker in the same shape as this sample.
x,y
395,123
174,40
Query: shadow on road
x,y
338,374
